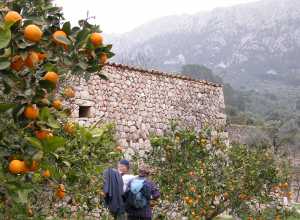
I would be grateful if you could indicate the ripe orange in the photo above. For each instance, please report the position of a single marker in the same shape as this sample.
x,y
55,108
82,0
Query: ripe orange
x,y
119,148
32,59
285,185
226,195
33,33
96,39
69,128
17,63
43,134
103,58
277,217
57,34
193,189
69,92
42,56
52,77
192,173
17,166
46,173
12,17
31,112
57,104
60,192
30,212
242,197
202,212
289,195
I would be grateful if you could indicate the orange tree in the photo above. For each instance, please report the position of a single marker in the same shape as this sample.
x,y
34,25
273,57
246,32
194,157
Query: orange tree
x,y
201,177
40,149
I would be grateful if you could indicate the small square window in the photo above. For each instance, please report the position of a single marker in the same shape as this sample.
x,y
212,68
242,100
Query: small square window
x,y
84,111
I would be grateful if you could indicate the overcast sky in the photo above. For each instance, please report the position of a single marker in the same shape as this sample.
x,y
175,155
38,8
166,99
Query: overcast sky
x,y
118,16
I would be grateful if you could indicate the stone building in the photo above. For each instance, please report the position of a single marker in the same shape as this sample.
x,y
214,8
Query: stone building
x,y
141,102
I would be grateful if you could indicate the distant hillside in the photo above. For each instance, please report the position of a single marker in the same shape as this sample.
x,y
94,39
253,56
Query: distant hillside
x,y
252,46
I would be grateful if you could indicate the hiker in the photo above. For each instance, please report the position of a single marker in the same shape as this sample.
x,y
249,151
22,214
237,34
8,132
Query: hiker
x,y
113,190
123,168
138,195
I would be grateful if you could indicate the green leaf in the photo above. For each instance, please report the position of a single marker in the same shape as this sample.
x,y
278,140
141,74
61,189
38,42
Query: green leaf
x,y
6,106
44,114
34,142
7,53
38,156
23,196
4,64
49,67
67,28
5,37
82,65
51,144
82,36
53,123
49,86
68,164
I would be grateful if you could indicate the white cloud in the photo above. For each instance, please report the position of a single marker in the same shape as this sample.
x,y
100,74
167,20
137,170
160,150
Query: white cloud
x,y
117,16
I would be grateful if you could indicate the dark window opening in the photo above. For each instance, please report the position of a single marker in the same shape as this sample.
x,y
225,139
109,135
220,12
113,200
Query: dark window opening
x,y
84,111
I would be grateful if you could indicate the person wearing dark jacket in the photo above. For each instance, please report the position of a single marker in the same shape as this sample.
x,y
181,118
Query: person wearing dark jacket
x,y
149,191
113,190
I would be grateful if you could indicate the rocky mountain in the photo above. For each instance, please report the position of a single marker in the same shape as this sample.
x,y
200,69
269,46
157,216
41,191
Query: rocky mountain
x,y
255,45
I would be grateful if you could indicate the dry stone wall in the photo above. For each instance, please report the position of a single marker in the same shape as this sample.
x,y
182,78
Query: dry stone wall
x,y
142,102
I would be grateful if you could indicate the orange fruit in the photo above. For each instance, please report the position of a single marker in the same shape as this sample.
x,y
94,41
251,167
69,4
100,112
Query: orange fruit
x,y
69,128
31,112
42,56
17,63
57,34
96,39
57,104
202,212
285,185
192,173
242,197
119,148
12,17
33,167
52,77
226,195
193,189
69,92
60,192
30,212
43,134
46,173
103,58
289,195
33,33
17,166
277,217
32,59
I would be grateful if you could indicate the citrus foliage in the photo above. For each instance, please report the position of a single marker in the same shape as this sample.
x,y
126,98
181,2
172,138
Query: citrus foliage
x,y
205,177
41,150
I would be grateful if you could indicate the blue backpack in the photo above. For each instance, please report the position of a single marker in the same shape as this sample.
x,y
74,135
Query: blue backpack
x,y
136,198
